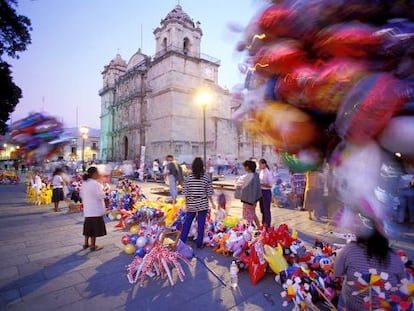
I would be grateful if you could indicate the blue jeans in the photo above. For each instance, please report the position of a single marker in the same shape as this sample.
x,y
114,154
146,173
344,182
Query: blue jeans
x,y
173,187
265,203
406,197
201,222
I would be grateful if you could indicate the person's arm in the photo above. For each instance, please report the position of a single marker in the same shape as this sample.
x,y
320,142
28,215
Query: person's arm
x,y
340,262
98,191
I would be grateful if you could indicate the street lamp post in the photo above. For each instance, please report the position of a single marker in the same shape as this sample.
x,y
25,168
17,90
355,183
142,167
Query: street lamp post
x,y
84,131
203,99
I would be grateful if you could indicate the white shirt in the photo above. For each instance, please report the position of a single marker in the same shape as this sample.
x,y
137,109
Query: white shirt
x,y
92,195
266,179
57,182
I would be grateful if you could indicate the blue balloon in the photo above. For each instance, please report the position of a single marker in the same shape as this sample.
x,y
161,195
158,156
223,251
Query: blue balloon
x,y
133,238
140,252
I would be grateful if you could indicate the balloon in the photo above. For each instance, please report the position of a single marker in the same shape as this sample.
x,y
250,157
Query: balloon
x,y
398,136
230,221
303,161
140,252
285,126
133,238
257,263
134,229
141,241
367,108
125,239
274,256
349,40
278,58
129,249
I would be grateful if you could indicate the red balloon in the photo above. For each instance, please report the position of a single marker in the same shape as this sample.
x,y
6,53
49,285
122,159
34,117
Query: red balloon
x,y
348,40
369,106
257,263
125,239
279,58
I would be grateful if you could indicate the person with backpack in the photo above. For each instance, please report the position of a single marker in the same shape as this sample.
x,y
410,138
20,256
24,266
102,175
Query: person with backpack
x,y
174,175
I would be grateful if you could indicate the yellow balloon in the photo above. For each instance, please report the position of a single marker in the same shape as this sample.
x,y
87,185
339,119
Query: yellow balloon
x,y
134,229
230,221
274,256
129,249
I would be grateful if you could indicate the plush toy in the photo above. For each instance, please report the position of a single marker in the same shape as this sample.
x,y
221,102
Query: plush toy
x,y
236,245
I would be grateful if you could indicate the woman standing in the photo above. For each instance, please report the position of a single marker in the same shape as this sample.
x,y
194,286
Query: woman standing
x,y
266,183
94,209
370,251
249,184
57,186
198,192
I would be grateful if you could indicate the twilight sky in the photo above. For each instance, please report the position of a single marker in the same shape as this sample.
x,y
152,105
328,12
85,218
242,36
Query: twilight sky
x,y
72,40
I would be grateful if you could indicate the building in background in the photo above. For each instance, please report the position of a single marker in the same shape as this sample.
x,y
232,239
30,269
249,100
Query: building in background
x,y
72,151
148,103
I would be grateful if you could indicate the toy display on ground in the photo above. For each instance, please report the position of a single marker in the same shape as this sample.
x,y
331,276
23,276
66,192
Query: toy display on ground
x,y
9,178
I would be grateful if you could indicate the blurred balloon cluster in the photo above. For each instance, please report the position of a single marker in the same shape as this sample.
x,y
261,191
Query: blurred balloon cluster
x,y
331,80
38,135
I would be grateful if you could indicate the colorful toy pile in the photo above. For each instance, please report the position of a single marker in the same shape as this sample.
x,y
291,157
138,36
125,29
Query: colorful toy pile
x,y
38,135
334,80
305,274
9,178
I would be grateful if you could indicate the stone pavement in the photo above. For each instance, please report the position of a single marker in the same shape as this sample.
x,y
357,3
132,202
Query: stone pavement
x,y
43,266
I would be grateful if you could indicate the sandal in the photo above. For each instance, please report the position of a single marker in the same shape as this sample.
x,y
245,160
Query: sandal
x,y
95,248
85,246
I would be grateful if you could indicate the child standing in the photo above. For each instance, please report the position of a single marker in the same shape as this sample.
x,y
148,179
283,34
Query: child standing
x,y
221,203
93,196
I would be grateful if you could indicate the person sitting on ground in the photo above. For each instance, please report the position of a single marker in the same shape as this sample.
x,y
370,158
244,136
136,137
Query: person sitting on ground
x,y
370,251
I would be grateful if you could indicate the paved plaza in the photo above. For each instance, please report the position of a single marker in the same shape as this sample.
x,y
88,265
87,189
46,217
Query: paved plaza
x,y
43,266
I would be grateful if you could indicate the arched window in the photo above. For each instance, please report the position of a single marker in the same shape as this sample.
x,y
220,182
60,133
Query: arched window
x,y
125,148
164,44
186,45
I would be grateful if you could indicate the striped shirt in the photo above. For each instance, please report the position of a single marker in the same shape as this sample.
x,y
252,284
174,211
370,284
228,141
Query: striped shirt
x,y
354,258
197,192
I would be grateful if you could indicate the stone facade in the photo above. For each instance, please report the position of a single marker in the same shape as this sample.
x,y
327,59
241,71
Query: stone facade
x,y
150,101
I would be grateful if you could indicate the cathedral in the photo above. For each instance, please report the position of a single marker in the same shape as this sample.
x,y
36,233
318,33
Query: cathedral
x,y
149,107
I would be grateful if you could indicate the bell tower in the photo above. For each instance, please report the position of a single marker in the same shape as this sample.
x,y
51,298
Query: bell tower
x,y
178,32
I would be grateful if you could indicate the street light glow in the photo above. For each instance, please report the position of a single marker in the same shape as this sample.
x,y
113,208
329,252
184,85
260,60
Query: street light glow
x,y
203,98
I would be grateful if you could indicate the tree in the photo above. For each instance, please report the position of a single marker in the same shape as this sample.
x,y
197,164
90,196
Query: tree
x,y
14,37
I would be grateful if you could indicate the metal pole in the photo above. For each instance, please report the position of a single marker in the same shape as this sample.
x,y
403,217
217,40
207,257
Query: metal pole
x,y
83,154
204,135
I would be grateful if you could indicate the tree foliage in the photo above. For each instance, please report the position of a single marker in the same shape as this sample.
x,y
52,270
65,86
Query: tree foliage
x,y
14,38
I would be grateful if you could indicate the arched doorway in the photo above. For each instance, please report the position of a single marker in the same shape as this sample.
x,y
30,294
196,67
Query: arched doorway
x,y
125,148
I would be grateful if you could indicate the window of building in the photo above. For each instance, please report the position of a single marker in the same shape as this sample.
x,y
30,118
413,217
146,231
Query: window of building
x,y
195,149
73,150
178,149
186,45
164,44
125,148
94,146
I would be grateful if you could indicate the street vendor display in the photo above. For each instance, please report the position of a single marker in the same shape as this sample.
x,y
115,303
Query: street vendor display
x,y
331,81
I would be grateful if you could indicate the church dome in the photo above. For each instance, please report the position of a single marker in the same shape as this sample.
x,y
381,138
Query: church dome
x,y
135,59
118,61
178,14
